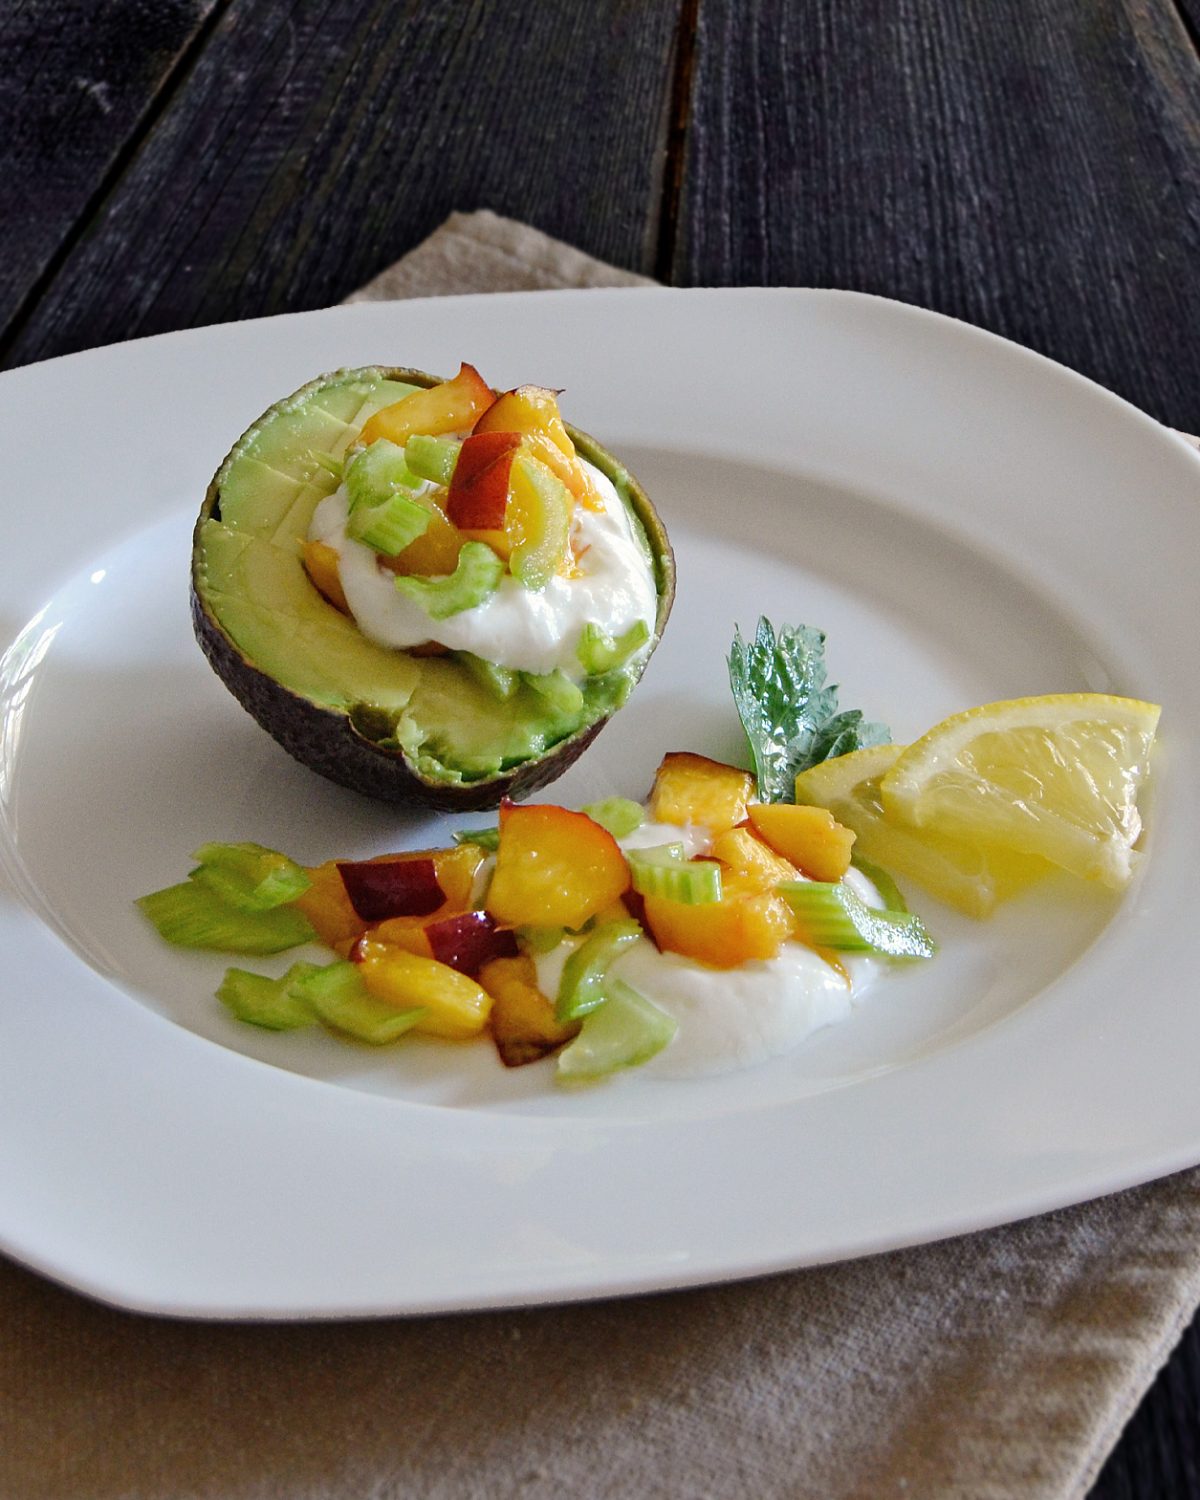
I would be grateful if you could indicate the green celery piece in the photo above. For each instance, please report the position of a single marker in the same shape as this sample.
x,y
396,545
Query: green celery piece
x,y
788,712
889,891
192,915
625,1031
432,458
834,917
390,526
562,697
533,563
339,997
619,815
540,939
663,871
249,876
600,652
476,577
377,473
260,1001
501,682
486,838
583,984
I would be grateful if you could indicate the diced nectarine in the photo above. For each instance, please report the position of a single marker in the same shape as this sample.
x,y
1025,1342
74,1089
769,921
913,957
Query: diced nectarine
x,y
809,836
434,552
321,565
448,407
554,868
724,933
532,410
456,1007
523,1023
693,789
478,494
327,906
761,867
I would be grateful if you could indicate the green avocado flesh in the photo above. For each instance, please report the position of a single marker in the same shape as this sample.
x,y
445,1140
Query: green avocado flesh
x,y
453,720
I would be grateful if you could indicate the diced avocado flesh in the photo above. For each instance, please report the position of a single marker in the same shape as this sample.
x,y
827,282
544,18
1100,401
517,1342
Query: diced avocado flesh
x,y
250,575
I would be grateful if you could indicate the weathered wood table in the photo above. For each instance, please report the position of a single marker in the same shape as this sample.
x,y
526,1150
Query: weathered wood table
x,y
1032,166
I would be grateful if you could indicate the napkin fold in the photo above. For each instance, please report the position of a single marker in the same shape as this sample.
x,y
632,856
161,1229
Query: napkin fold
x,y
997,1366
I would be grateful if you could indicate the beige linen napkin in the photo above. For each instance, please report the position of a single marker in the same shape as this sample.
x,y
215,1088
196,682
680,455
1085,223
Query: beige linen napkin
x,y
999,1366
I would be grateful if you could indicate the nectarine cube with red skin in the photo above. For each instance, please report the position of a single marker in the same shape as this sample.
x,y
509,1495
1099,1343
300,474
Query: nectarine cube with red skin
x,y
456,1006
810,837
328,907
523,1024
554,868
450,406
435,551
478,494
693,789
532,410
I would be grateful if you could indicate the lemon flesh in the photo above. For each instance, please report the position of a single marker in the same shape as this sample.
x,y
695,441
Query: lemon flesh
x,y
969,875
1055,776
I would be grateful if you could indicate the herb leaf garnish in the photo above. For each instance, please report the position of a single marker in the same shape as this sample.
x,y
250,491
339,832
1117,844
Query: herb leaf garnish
x,y
787,709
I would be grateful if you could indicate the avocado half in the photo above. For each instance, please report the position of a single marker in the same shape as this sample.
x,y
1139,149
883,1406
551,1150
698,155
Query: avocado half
x,y
411,729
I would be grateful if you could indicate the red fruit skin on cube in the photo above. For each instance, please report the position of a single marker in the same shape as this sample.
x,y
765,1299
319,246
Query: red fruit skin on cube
x,y
478,495
392,888
468,941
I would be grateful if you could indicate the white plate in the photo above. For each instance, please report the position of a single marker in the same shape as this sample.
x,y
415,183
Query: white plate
x,y
966,520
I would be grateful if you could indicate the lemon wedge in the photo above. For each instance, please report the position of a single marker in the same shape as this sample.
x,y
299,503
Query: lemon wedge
x,y
966,874
1055,776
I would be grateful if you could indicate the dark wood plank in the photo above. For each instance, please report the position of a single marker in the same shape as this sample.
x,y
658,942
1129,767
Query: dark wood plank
x,y
1029,166
1158,1457
312,145
79,78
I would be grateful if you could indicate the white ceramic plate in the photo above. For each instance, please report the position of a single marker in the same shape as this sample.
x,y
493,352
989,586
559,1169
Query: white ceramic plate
x,y
964,519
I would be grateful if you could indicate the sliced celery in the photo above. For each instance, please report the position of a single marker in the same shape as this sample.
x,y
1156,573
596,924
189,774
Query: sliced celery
x,y
663,871
264,1002
476,577
376,473
889,892
540,939
192,915
583,984
249,876
618,814
600,652
501,682
544,502
622,1033
486,838
832,916
395,523
432,457
340,999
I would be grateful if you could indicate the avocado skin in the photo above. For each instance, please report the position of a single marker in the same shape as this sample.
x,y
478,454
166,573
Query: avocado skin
x,y
326,740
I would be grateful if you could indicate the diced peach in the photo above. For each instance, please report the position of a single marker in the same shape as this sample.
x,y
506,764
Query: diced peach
x,y
321,565
327,906
478,493
724,933
523,1024
532,410
809,836
456,1006
448,407
762,868
456,870
693,789
554,868
434,552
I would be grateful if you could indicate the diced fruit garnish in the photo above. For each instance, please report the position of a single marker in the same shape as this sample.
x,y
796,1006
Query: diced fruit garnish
x,y
192,915
625,1031
522,1022
432,458
693,789
722,933
761,869
341,999
476,577
454,1005
600,652
619,815
269,1003
478,496
249,876
328,908
376,473
539,522
809,837
379,889
554,868
1055,776
469,940
585,981
321,565
970,876
830,915
447,407
533,411
664,871
435,552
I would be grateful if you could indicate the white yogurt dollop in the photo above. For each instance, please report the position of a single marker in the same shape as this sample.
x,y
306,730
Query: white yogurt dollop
x,y
523,629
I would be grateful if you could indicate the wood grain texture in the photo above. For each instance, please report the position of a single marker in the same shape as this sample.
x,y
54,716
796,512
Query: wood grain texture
x,y
1026,165
1158,1457
312,145
78,78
